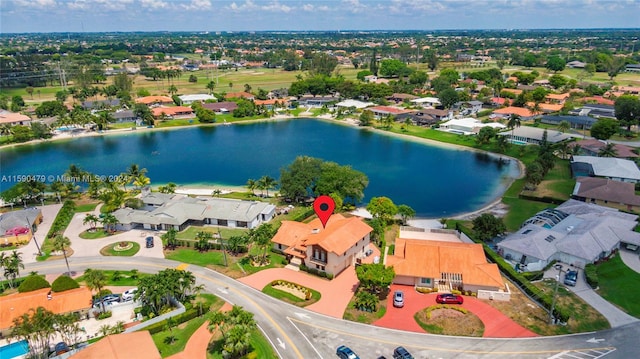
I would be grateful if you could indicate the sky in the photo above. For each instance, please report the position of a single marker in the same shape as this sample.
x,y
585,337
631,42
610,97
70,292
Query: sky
x,y
17,16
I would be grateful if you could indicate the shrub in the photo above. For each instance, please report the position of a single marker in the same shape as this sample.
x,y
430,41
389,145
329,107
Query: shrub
x,y
33,282
62,219
63,283
104,315
590,272
456,292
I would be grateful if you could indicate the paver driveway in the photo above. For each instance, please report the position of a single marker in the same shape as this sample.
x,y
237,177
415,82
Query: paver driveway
x,y
496,324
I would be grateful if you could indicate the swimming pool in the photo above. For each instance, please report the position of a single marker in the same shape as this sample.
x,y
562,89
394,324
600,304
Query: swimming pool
x,y
14,350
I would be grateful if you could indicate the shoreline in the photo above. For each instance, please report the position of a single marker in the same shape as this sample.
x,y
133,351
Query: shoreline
x,y
207,189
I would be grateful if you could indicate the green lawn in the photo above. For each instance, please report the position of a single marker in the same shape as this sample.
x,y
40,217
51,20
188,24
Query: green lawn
x,y
98,233
192,231
110,251
620,285
191,256
260,348
290,298
87,207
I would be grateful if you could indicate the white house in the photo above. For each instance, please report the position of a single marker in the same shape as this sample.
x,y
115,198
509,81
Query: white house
x,y
189,99
427,101
354,103
616,169
468,126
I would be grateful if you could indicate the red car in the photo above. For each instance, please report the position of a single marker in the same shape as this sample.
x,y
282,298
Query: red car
x,y
449,298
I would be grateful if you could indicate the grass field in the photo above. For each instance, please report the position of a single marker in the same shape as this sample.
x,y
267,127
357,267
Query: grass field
x,y
620,285
110,251
126,277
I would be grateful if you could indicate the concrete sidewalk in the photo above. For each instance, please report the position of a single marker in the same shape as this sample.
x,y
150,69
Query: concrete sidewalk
x,y
615,316
631,259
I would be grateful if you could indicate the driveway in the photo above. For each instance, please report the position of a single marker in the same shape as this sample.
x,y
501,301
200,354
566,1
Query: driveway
x,y
615,316
91,247
336,293
30,251
496,324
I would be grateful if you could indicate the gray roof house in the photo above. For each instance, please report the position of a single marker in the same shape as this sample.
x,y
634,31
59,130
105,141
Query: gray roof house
x,y
616,169
533,135
164,211
580,233
606,192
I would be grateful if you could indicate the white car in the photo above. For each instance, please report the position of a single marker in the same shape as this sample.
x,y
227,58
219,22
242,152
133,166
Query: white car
x,y
129,294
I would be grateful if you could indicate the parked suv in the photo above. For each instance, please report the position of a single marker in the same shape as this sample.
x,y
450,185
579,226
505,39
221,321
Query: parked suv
x,y
149,242
571,278
401,353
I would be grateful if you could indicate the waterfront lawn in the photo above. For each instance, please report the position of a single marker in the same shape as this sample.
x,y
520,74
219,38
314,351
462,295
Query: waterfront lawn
x,y
619,285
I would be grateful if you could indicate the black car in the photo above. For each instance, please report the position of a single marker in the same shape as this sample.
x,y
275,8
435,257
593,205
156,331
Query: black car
x,y
61,348
345,352
401,353
149,241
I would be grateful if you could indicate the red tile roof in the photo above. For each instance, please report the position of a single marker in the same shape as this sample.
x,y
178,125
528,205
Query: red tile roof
x,y
338,236
14,305
242,94
520,111
428,259
148,100
136,345
388,109
171,111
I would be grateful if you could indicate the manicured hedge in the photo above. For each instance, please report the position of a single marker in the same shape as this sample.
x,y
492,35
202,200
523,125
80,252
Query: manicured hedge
x,y
63,283
33,282
178,319
303,215
591,273
62,219
314,271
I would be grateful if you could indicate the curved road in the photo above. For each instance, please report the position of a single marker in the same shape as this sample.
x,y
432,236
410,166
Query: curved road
x,y
299,333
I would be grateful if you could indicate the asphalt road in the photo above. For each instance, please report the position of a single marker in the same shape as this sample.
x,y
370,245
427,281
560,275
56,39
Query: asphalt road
x,y
298,333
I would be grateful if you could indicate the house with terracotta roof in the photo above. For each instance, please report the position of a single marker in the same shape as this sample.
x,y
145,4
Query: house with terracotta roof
x,y
449,263
330,249
524,113
272,103
70,301
241,94
606,192
138,345
557,98
13,118
173,112
155,100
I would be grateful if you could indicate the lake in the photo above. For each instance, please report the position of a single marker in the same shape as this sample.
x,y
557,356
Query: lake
x,y
434,180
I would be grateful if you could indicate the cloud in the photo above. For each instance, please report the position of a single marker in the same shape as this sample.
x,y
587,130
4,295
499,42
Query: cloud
x,y
312,8
354,6
197,5
154,4
35,3
248,5
275,6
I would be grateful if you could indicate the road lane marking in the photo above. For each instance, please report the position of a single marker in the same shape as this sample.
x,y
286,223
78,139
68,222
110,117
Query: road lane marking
x,y
182,266
305,337
420,347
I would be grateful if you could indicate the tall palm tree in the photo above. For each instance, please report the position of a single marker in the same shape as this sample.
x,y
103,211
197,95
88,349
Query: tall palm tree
x,y
109,222
210,86
251,185
513,122
609,150
141,181
61,243
564,126
11,265
95,280
267,183
173,89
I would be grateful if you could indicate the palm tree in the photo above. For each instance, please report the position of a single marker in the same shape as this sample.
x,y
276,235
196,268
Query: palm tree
x,y
266,183
95,280
513,122
11,265
61,243
91,219
219,321
141,181
210,86
172,89
609,150
109,222
216,192
247,88
564,126
251,185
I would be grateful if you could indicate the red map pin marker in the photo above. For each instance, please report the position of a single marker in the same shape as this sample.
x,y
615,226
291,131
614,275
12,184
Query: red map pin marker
x,y
324,206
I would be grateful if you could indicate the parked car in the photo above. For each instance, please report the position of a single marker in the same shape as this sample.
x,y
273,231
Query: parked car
x,y
401,353
129,294
107,300
398,299
61,348
149,241
449,298
346,353
571,278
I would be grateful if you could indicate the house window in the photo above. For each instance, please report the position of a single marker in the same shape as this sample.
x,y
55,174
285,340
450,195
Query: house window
x,y
279,246
317,266
425,281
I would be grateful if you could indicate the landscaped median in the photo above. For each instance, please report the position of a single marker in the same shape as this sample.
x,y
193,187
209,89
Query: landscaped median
x,y
449,320
291,293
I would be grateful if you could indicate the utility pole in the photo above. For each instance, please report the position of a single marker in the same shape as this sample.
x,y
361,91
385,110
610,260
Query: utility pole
x,y
33,235
555,294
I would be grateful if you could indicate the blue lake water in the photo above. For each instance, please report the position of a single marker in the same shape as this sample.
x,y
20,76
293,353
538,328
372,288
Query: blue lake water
x,y
436,181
